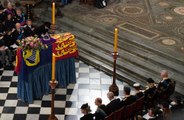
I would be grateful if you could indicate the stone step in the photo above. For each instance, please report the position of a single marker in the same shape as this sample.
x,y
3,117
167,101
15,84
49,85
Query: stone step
x,y
132,48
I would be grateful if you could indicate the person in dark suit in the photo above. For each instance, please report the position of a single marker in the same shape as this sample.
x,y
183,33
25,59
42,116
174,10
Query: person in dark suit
x,y
20,17
128,98
9,23
150,93
138,92
18,34
100,111
2,12
2,28
29,29
113,105
85,109
163,87
43,29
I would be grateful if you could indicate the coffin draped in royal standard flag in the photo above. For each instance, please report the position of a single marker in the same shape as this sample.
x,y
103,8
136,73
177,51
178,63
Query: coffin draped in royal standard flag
x,y
65,46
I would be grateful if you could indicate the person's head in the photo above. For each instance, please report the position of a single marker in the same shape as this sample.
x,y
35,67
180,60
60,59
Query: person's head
x,y
164,74
110,95
9,16
29,22
98,101
152,112
127,90
85,109
18,11
47,25
9,6
137,86
150,82
18,26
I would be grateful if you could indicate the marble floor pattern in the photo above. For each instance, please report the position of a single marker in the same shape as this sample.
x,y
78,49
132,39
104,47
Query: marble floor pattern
x,y
91,83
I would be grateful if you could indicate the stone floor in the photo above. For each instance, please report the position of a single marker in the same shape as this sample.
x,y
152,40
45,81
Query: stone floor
x,y
91,83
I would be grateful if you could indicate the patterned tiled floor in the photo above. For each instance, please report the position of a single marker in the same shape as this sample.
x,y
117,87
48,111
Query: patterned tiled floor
x,y
91,83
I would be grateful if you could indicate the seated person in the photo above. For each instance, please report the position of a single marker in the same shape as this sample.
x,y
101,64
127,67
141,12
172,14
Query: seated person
x,y
20,17
85,109
151,115
43,29
165,112
2,28
18,34
127,98
10,10
2,12
29,29
113,105
8,39
150,93
100,111
9,23
5,54
138,92
177,108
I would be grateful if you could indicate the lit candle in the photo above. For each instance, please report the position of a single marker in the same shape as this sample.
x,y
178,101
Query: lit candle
x,y
53,13
115,39
53,66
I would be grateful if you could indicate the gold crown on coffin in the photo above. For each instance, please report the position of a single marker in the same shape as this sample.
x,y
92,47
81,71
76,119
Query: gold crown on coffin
x,y
46,37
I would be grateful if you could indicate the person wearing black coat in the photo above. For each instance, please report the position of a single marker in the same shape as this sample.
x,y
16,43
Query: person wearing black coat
x,y
18,34
100,111
113,105
9,23
29,29
43,29
127,99
85,109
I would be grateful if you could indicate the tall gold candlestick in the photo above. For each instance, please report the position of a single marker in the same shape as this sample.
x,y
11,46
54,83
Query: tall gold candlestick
x,y
53,13
115,39
53,67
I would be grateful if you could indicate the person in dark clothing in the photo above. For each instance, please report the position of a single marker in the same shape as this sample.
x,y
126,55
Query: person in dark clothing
x,y
2,13
9,23
10,10
128,98
8,39
100,111
85,109
20,17
29,29
177,108
2,28
150,93
163,87
18,34
43,29
5,53
113,105
138,92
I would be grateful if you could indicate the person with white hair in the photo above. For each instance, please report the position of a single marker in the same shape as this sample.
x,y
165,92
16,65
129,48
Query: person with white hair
x,y
114,103
163,86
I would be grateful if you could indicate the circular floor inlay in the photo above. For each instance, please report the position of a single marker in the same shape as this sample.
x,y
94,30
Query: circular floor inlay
x,y
168,42
168,17
163,4
179,10
109,19
132,10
